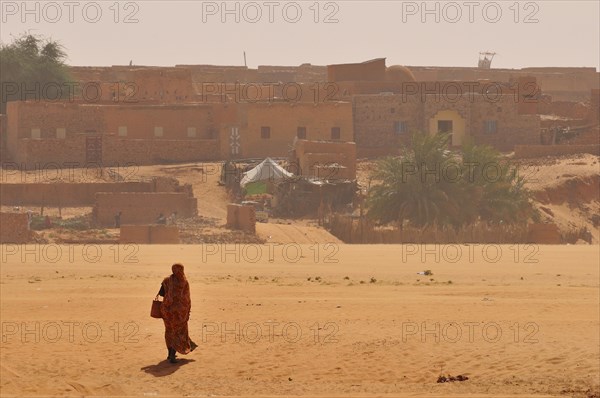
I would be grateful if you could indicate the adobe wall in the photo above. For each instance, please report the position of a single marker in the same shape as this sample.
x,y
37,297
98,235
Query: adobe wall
x,y
594,115
564,84
139,121
115,151
374,118
3,131
137,144
149,234
63,194
241,217
535,151
141,208
369,70
514,128
375,115
572,110
131,84
14,228
284,120
310,154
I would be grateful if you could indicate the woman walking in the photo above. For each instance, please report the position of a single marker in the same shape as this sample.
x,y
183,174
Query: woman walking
x,y
175,310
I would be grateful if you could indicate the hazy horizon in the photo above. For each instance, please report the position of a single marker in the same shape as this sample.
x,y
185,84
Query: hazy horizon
x,y
160,33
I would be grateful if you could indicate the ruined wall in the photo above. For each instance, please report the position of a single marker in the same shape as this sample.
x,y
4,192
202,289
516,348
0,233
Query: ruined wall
x,y
64,194
14,228
535,151
149,234
142,208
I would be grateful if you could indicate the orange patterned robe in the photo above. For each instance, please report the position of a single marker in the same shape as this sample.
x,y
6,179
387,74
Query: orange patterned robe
x,y
175,311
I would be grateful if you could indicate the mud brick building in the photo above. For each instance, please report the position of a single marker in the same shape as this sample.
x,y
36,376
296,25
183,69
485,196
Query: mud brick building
x,y
149,115
80,133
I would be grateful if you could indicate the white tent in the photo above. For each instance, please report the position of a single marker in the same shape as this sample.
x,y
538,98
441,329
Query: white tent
x,y
266,170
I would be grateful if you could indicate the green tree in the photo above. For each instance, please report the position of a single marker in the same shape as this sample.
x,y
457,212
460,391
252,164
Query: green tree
x,y
495,185
411,187
32,67
429,185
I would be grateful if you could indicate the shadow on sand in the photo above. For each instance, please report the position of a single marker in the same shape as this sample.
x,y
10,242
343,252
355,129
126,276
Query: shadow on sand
x,y
165,368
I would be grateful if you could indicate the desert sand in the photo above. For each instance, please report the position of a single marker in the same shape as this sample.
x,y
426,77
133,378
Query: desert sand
x,y
336,320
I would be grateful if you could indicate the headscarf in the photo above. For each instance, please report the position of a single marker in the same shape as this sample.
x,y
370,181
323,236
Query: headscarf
x,y
175,310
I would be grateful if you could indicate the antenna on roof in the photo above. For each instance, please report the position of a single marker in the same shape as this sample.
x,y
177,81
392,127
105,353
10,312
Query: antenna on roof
x,y
485,59
245,59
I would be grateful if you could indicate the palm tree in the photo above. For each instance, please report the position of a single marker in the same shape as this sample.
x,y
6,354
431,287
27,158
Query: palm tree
x,y
418,186
412,187
500,192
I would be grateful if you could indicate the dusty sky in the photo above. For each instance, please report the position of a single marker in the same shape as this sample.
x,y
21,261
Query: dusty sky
x,y
152,32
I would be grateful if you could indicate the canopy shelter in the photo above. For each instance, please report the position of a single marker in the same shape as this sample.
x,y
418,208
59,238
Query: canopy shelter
x,y
267,170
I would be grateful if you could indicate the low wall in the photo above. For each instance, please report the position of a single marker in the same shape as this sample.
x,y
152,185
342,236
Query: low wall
x,y
241,217
142,207
13,228
64,194
322,153
535,151
352,231
144,234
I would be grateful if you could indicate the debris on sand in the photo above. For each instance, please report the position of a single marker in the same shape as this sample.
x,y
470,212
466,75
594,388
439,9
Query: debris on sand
x,y
448,378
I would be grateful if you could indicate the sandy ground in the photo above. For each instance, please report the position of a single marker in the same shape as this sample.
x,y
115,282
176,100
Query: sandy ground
x,y
517,320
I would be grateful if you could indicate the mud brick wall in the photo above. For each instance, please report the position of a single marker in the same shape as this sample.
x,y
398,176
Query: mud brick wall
x,y
138,144
135,84
375,115
535,151
594,115
283,119
147,234
564,84
513,127
115,151
64,194
308,154
13,228
241,217
572,110
141,208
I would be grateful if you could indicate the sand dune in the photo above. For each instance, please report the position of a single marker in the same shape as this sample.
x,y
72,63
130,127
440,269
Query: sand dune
x,y
75,327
